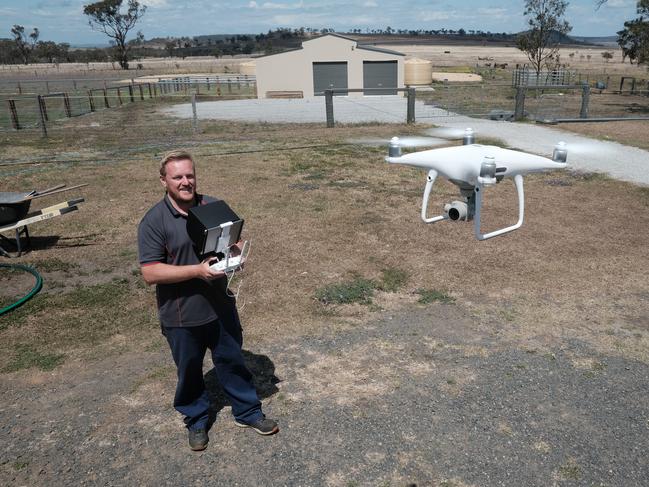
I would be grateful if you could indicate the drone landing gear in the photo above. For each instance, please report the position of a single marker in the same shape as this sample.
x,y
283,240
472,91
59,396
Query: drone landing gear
x,y
470,208
518,181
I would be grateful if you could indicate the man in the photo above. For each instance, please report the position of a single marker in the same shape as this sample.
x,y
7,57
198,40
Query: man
x,y
195,309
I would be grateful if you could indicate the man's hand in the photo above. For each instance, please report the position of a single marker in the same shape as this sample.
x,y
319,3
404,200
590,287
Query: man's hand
x,y
205,272
160,273
236,248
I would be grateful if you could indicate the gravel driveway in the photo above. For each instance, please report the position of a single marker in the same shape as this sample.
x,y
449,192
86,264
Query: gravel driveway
x,y
617,160
424,396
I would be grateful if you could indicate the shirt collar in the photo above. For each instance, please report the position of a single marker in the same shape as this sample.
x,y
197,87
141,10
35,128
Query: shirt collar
x,y
174,211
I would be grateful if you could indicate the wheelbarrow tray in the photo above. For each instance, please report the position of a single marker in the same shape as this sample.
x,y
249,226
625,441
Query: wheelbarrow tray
x,y
20,226
14,206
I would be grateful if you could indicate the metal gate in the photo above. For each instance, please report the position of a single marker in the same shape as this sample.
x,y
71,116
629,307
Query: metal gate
x,y
330,76
380,74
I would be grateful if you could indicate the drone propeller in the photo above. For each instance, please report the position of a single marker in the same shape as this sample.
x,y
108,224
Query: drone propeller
x,y
449,133
407,141
585,147
562,149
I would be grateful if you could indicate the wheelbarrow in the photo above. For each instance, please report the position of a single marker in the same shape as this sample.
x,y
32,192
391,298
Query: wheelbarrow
x,y
15,215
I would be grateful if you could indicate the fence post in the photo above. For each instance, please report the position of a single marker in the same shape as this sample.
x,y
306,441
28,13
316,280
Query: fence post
x,y
410,115
329,107
43,106
106,98
20,89
194,116
47,87
585,95
119,95
14,114
41,113
141,91
130,93
66,105
519,110
91,101
74,84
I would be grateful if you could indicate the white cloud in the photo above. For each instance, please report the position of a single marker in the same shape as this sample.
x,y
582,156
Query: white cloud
x,y
436,15
300,19
276,6
363,20
494,12
155,3
370,4
620,3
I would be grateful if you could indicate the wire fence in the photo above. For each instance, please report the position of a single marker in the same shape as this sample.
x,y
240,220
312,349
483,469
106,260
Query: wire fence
x,y
25,111
187,98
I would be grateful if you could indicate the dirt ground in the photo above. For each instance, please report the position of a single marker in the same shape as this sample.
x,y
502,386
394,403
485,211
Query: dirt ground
x,y
533,373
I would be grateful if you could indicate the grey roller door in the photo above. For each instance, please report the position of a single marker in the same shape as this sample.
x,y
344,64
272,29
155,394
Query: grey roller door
x,y
330,76
380,74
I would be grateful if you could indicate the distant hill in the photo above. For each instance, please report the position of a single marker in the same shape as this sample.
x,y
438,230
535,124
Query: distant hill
x,y
608,41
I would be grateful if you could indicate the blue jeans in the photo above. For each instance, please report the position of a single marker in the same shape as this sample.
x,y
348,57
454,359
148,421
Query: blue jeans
x,y
224,339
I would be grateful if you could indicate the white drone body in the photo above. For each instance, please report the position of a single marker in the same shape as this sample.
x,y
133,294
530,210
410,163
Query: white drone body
x,y
472,167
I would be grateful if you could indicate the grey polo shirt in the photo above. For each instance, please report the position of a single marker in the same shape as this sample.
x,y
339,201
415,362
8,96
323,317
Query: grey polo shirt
x,y
162,238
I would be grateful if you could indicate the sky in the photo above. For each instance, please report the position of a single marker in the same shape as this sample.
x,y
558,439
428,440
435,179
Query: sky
x,y
63,20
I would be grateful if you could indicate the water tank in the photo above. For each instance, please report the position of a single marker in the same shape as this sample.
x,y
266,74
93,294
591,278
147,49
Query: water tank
x,y
248,68
418,71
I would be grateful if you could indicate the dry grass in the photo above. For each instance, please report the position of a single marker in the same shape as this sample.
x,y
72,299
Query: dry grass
x,y
629,133
320,216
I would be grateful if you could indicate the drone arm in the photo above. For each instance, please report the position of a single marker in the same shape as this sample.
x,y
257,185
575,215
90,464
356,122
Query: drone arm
x,y
430,179
518,180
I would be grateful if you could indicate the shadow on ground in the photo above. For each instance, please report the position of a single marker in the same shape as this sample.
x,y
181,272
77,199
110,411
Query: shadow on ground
x,y
263,371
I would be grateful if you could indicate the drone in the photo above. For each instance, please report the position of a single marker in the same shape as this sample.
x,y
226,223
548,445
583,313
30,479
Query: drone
x,y
473,167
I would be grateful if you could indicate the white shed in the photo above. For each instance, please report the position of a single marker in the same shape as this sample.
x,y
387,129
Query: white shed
x,y
329,62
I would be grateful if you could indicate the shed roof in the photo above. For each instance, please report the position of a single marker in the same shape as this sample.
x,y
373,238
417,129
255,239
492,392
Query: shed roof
x,y
358,46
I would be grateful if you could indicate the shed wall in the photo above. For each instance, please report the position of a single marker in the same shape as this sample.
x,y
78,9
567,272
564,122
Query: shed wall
x,y
293,70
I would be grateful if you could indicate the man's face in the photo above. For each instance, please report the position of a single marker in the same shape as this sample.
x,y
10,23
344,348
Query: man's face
x,y
180,180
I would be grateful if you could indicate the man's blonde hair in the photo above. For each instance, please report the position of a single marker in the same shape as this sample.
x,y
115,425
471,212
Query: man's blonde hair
x,y
174,155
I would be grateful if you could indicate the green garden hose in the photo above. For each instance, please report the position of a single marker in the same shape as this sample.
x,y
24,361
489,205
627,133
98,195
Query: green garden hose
x,y
37,287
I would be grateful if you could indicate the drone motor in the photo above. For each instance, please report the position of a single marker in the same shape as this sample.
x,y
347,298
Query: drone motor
x,y
560,152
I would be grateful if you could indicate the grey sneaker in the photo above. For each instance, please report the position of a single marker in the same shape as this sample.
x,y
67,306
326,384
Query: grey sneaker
x,y
263,426
198,439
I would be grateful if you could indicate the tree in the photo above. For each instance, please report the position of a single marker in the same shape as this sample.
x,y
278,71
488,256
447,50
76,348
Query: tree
x,y
105,16
546,28
634,38
607,56
170,47
48,50
24,44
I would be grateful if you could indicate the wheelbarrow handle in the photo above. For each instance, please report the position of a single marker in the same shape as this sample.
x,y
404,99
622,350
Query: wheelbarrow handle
x,y
48,190
58,191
